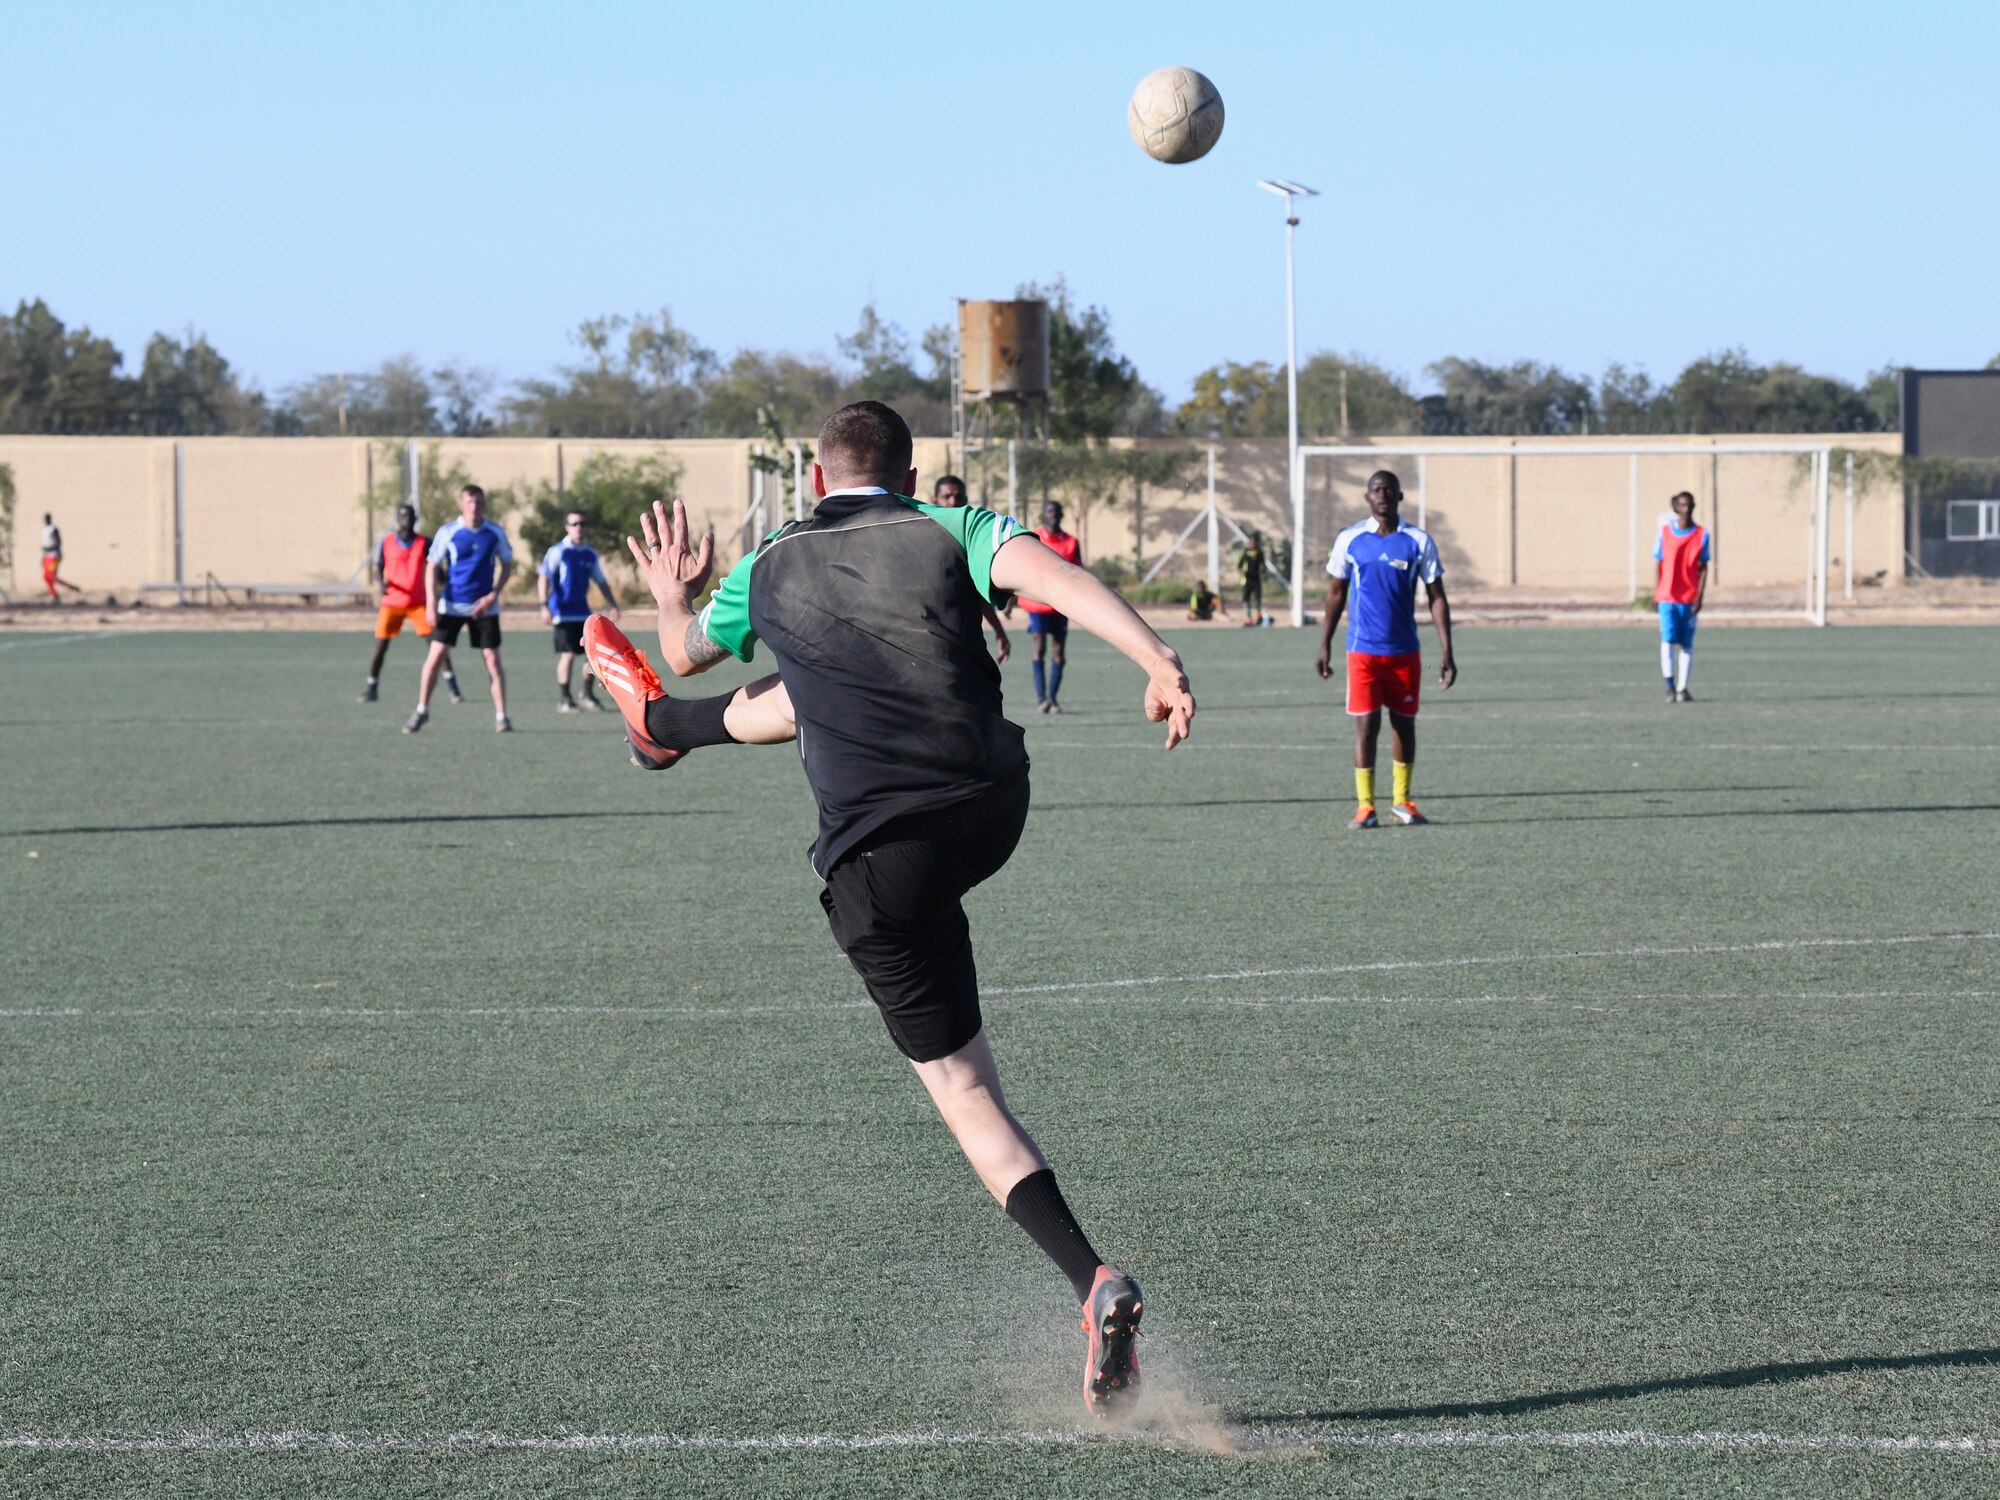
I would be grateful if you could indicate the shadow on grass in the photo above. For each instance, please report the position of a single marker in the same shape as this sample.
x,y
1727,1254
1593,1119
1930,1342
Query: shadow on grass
x,y
1345,798
399,820
1713,1380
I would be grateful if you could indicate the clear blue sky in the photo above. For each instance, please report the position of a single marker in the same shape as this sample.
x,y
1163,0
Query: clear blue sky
x,y
318,187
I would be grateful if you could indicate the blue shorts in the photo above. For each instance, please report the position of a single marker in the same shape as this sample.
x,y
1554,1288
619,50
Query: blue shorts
x,y
1677,625
1048,622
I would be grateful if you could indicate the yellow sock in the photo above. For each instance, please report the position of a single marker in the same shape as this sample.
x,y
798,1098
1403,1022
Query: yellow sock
x,y
1364,785
1402,774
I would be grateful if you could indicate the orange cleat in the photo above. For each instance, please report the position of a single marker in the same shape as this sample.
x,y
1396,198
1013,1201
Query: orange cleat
x,y
1111,1359
1406,813
1364,817
622,667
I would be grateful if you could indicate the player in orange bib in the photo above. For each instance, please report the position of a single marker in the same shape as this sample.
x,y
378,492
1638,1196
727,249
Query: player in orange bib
x,y
1680,583
1050,628
397,571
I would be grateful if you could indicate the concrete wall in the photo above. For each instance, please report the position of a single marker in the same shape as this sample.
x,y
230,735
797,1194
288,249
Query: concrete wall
x,y
292,510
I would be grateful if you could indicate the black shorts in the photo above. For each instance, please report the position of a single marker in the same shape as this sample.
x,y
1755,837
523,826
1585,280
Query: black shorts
x,y
894,908
485,631
569,637
1253,595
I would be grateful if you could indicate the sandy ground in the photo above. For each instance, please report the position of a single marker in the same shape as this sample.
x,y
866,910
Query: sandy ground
x,y
1959,602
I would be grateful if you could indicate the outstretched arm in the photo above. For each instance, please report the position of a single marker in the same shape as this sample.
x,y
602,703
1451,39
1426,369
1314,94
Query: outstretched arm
x,y
1023,565
676,569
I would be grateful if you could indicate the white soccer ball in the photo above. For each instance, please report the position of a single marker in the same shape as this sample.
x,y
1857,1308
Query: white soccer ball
x,y
1175,115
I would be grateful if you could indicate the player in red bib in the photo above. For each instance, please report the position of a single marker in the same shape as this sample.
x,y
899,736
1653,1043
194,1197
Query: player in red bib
x,y
1680,583
1050,629
397,571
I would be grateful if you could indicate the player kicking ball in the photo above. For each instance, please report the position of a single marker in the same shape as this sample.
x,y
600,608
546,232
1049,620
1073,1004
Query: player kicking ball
x,y
1375,568
1680,583
872,609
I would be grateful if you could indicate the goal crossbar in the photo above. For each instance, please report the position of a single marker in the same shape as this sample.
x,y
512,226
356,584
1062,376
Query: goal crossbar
x,y
1821,453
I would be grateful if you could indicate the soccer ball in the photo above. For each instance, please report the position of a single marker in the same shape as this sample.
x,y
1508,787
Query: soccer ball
x,y
1175,115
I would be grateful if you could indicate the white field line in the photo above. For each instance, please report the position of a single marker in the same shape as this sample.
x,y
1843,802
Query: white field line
x,y
1212,1441
1433,746
645,1012
1779,945
57,640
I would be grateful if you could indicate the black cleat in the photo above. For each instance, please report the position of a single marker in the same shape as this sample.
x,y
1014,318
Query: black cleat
x,y
1111,1359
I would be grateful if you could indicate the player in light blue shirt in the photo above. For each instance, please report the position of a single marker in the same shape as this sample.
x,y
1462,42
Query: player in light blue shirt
x,y
470,563
568,570
1375,567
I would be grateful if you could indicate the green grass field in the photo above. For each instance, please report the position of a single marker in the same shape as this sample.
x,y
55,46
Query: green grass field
x,y
380,1088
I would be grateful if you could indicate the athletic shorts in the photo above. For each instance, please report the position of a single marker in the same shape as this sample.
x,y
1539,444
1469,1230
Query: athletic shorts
x,y
1253,596
51,565
1390,682
390,620
1047,622
1677,624
894,908
568,637
485,630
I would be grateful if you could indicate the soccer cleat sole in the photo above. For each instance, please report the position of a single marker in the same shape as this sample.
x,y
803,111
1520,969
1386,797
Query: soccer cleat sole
x,y
1111,1358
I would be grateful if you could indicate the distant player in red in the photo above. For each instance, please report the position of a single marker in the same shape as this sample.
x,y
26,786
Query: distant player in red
x,y
1680,582
397,571
1050,629
52,560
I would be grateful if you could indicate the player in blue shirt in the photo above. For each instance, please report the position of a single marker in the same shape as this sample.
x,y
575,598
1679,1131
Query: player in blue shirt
x,y
1375,567
568,570
470,563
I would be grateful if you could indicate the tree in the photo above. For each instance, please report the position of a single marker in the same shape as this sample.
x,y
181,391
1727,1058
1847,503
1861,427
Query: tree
x,y
56,379
1524,398
643,377
1094,391
7,498
438,486
1338,395
1159,468
612,493
794,391
187,388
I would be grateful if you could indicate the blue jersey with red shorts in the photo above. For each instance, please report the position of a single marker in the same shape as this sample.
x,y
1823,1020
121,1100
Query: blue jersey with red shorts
x,y
1382,573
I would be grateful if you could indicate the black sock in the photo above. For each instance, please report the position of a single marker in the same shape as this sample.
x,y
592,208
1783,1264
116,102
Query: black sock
x,y
688,723
1036,1204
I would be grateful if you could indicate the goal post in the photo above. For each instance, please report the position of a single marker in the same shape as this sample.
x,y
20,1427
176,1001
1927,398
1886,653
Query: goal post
x,y
1573,522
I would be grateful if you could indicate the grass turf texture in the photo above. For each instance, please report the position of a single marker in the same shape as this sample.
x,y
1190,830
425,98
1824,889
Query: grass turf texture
x,y
467,1083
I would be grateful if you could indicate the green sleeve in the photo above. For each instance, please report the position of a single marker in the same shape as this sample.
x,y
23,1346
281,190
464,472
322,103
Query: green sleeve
x,y
725,619
980,534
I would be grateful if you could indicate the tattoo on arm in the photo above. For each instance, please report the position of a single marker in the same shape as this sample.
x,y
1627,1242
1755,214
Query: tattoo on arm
x,y
701,651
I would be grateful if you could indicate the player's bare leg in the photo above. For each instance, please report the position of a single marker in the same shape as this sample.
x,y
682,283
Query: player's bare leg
x,y
426,681
965,1087
496,676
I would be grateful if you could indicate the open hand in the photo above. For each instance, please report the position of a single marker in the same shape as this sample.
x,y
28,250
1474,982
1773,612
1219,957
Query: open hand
x,y
673,569
1169,698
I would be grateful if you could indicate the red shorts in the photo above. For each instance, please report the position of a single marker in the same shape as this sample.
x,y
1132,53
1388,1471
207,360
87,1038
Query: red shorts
x,y
1389,682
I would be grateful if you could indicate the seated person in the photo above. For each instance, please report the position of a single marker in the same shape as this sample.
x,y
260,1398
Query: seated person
x,y
1205,604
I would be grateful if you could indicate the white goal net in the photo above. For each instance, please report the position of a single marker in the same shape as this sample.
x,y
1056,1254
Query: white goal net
x,y
1568,525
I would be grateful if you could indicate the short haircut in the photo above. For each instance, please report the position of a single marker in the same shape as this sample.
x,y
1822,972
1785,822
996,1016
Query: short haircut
x,y
1687,495
866,439
475,491
1388,474
945,479
578,512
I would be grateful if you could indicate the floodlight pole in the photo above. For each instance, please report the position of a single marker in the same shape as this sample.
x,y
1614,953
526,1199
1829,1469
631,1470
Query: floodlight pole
x,y
1289,191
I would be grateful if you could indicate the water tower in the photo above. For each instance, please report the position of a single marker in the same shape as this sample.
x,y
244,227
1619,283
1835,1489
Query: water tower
x,y
1001,358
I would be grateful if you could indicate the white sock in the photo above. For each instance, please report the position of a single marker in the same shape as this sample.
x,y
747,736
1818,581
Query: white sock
x,y
1667,660
1686,665
373,681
